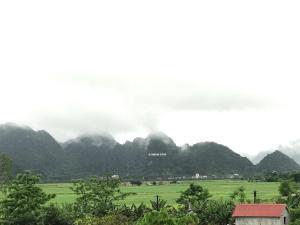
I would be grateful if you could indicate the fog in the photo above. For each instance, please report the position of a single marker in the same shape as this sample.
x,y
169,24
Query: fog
x,y
197,71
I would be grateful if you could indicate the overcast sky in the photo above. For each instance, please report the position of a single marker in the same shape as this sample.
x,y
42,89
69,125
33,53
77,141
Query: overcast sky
x,y
223,71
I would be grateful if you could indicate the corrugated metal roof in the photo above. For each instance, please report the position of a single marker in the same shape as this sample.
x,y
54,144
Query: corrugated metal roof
x,y
259,210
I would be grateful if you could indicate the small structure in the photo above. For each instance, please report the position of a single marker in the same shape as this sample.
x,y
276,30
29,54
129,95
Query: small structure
x,y
261,214
117,177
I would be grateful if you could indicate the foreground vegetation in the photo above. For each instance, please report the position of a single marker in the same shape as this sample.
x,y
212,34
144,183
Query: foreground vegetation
x,y
100,201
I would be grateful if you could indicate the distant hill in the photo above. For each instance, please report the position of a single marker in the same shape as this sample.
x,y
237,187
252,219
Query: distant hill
x,y
210,157
29,149
277,161
157,155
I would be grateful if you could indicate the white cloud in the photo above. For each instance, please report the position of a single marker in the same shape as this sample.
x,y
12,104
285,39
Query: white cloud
x,y
131,67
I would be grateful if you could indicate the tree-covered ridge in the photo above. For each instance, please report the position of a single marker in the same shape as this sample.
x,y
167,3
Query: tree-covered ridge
x,y
277,161
157,155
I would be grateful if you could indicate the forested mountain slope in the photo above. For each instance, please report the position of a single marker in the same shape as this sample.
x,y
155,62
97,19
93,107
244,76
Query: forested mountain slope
x,y
277,161
157,155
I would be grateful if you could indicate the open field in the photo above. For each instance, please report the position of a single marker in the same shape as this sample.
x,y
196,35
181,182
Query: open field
x,y
218,188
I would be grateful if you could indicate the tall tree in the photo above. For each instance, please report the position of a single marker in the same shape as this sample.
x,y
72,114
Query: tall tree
x,y
195,194
24,201
97,196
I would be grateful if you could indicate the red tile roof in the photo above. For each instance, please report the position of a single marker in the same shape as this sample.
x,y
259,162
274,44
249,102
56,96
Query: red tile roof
x,y
259,210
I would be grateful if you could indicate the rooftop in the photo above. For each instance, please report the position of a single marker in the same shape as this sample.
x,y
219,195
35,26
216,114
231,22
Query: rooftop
x,y
259,210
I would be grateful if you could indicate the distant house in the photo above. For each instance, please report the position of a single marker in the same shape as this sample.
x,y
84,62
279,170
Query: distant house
x,y
115,177
261,214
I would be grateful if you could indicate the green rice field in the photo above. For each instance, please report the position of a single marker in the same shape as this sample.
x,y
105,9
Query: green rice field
x,y
170,192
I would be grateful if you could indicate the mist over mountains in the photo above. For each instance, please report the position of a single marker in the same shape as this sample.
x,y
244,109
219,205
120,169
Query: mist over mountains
x,y
157,155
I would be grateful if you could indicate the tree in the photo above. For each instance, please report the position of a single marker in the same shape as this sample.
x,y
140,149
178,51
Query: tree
x,y
287,188
216,212
24,201
239,195
194,194
5,172
97,196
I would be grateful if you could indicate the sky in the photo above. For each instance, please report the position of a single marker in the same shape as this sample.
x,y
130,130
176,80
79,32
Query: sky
x,y
223,71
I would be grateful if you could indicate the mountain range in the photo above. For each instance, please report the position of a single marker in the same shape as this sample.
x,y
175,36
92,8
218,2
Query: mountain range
x,y
157,155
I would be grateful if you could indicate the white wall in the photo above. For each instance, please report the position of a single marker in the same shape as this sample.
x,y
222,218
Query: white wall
x,y
263,220
257,221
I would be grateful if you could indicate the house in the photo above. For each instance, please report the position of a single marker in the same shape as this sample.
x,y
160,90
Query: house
x,y
261,214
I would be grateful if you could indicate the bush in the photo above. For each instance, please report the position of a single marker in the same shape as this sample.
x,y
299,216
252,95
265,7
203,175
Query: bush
x,y
105,220
134,212
58,215
296,222
163,217
136,182
295,214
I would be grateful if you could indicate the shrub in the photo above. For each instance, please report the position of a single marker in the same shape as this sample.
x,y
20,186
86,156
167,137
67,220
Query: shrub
x,y
134,212
163,217
58,215
105,220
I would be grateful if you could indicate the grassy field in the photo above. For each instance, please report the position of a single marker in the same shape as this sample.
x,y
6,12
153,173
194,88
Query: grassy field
x,y
219,189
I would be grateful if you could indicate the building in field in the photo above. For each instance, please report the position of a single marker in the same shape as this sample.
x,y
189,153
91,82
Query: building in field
x,y
261,214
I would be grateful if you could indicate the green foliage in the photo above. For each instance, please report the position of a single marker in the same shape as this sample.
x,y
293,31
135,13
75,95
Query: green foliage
x,y
296,222
287,188
293,200
295,177
97,196
194,194
165,218
239,195
158,205
24,200
215,212
290,195
134,212
5,172
105,220
294,213
58,215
